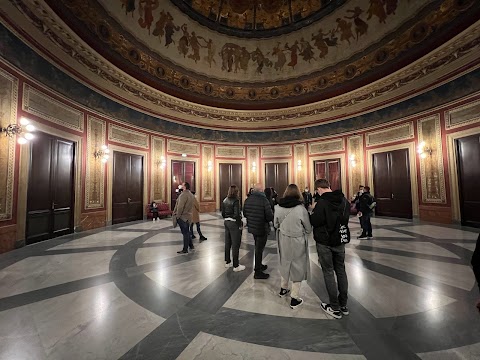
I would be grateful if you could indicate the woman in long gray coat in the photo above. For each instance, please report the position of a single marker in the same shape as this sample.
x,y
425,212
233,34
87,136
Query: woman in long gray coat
x,y
292,225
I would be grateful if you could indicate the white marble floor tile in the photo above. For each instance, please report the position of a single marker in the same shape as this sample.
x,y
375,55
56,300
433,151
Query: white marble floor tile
x,y
149,225
104,238
206,217
39,272
389,233
468,246
384,296
95,323
211,347
440,232
410,246
154,254
168,236
469,352
200,273
456,275
19,339
254,292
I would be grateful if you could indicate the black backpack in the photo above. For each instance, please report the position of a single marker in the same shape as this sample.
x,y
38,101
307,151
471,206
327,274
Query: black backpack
x,y
341,233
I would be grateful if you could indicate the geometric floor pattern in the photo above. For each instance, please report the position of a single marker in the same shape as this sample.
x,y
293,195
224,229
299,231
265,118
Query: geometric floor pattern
x,y
122,292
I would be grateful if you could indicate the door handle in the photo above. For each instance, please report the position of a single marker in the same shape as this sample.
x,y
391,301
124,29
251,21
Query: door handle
x,y
53,205
393,196
129,200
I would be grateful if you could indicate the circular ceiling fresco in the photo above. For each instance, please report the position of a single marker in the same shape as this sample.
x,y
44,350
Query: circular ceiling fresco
x,y
256,18
353,44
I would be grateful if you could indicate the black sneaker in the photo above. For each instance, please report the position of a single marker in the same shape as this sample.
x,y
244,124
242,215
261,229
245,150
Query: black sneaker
x,y
283,292
370,237
193,236
192,247
362,237
294,303
344,310
264,267
182,252
261,275
203,238
333,313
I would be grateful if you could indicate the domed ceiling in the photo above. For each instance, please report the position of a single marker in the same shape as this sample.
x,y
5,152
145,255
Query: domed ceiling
x,y
254,65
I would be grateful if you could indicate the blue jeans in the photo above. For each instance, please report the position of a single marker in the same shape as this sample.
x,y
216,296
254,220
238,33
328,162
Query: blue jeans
x,y
187,237
332,260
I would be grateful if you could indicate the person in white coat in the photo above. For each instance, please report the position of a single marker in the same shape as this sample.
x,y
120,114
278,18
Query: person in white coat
x,y
292,224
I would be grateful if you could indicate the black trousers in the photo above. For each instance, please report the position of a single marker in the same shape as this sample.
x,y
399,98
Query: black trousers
x,y
260,242
233,237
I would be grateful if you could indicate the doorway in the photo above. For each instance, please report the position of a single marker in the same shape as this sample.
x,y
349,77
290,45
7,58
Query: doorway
x,y
182,171
127,189
276,176
391,179
230,174
330,170
468,160
50,194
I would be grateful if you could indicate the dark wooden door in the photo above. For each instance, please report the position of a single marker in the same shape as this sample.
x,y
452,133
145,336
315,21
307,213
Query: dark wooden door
x,y
182,171
391,179
330,170
276,176
127,191
468,150
50,196
230,174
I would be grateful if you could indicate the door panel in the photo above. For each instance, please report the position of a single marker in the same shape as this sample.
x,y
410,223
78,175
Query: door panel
x,y
330,170
182,171
127,191
230,174
391,179
468,150
276,176
50,197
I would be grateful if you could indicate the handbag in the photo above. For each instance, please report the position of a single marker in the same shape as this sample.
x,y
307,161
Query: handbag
x,y
174,220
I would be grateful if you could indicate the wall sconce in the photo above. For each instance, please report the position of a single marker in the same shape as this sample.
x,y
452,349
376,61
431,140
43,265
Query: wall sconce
x,y
209,166
184,155
103,153
254,166
163,162
353,162
299,165
423,150
23,131
174,178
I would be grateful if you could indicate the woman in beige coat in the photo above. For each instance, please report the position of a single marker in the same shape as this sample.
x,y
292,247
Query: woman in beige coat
x,y
196,219
292,225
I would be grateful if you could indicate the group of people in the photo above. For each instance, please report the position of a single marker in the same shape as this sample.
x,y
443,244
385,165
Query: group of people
x,y
327,218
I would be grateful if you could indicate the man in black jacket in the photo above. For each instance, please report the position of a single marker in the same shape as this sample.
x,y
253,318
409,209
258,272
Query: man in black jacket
x,y
366,203
476,265
307,198
330,206
258,212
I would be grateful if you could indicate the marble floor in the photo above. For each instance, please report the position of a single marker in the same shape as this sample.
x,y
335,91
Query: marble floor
x,y
123,292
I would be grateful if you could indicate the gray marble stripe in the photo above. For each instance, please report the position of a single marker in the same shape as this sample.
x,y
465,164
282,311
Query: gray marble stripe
x,y
53,291
461,252
212,298
78,250
444,259
425,283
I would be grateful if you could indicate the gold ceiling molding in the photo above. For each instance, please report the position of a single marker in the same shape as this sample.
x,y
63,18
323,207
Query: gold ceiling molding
x,y
445,59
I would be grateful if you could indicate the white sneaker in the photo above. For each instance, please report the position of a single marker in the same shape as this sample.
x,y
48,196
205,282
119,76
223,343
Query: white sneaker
x,y
229,265
239,268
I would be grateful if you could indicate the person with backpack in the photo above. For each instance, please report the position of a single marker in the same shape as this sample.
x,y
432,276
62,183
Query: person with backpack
x,y
366,204
292,226
329,219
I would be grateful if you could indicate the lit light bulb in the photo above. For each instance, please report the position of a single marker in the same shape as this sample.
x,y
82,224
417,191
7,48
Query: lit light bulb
x,y
104,160
22,140
352,157
104,147
29,136
106,157
184,155
24,121
30,128
423,155
354,163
